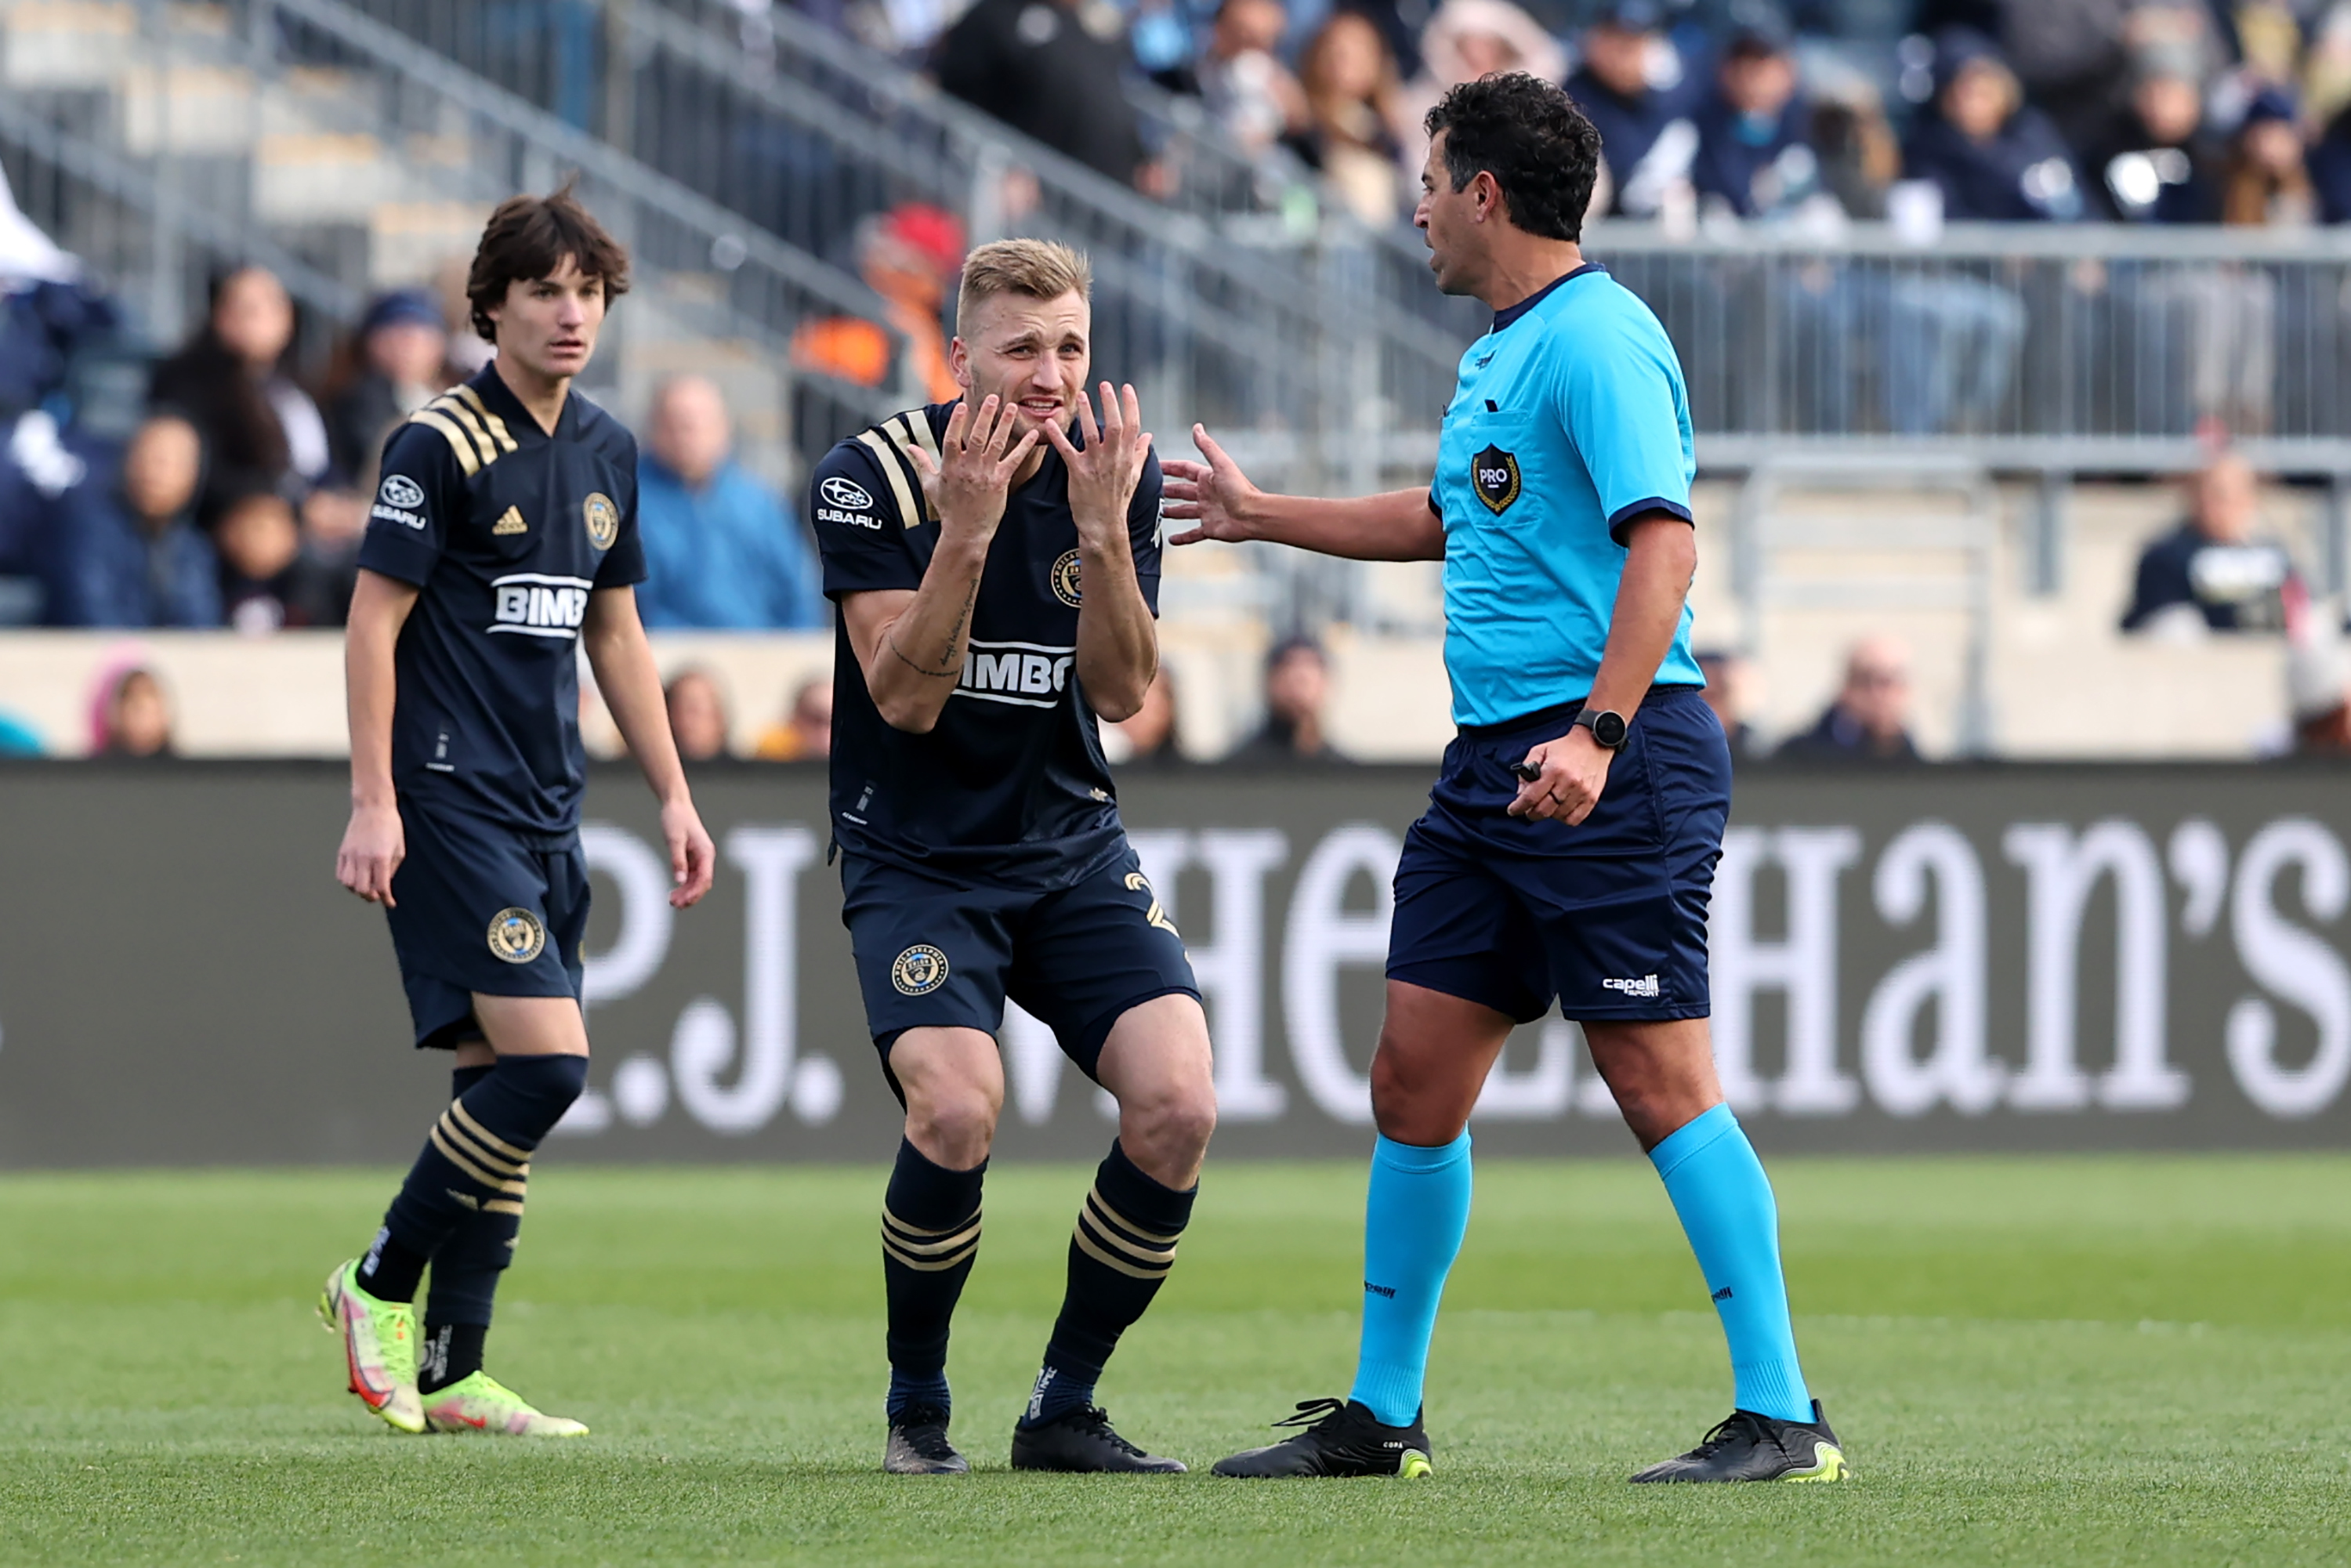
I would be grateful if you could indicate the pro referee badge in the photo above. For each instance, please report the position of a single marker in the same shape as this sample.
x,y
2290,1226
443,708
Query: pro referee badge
x,y
1494,475
516,937
603,519
919,970
1065,578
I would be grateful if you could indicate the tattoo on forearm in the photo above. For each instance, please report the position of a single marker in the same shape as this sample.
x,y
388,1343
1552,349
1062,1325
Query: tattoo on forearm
x,y
953,653
890,640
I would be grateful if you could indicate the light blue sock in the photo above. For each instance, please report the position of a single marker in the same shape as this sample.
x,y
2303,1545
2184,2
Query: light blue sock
x,y
1413,1220
1725,1202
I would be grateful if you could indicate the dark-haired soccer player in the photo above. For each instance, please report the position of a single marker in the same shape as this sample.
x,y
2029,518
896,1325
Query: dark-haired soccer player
x,y
1569,847
997,564
501,542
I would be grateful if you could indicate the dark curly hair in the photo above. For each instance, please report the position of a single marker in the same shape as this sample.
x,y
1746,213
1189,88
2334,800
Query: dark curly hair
x,y
1528,135
527,239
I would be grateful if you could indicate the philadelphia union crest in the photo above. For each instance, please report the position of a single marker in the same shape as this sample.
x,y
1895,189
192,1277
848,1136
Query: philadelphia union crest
x,y
1065,578
517,936
1494,475
603,519
919,970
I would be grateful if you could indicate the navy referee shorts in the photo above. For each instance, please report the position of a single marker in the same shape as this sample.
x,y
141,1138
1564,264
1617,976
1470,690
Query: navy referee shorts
x,y
1608,916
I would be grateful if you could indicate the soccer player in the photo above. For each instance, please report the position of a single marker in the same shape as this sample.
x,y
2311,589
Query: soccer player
x,y
1569,847
502,542
995,561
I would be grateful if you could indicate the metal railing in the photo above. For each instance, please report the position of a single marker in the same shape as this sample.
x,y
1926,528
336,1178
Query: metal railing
x,y
1264,324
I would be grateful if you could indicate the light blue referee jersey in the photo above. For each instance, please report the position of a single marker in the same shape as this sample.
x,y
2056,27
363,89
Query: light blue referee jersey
x,y
1570,421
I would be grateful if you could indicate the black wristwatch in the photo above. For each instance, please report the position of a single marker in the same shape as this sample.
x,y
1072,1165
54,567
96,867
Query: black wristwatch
x,y
1608,729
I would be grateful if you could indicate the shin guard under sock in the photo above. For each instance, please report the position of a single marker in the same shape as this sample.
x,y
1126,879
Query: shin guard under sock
x,y
1119,1255
930,1234
465,1277
475,1163
1725,1202
1415,1215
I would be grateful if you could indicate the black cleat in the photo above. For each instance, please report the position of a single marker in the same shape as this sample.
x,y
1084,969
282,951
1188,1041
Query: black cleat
x,y
918,1445
1081,1441
1751,1448
1346,1440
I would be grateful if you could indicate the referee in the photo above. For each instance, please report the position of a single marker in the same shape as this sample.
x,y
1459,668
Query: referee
x,y
1569,847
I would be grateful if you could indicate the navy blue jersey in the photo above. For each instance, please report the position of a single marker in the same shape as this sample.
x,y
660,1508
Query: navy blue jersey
x,y
1010,786
505,531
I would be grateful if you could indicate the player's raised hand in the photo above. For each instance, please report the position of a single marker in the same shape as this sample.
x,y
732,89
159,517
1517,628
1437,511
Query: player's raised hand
x,y
1104,475
967,484
373,846
1214,496
693,859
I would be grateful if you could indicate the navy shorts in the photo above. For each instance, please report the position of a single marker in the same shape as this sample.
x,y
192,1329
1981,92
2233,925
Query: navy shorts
x,y
1609,916
484,909
934,953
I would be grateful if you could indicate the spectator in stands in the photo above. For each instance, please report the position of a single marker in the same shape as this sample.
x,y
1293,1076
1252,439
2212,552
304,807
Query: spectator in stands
x,y
721,552
2267,179
910,256
271,577
466,353
1992,158
2154,163
1153,736
2212,573
2319,696
401,346
123,549
697,715
261,429
1054,70
1869,720
130,712
1352,90
1631,87
1727,679
805,734
1755,155
1859,155
1242,81
1466,39
1297,691
2330,171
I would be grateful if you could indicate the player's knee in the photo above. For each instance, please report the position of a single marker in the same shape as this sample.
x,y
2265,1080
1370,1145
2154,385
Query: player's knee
x,y
952,1126
1181,1122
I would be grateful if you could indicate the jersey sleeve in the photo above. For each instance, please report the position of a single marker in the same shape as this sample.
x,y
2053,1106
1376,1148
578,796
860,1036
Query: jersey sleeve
x,y
1142,531
860,530
420,498
1619,404
624,564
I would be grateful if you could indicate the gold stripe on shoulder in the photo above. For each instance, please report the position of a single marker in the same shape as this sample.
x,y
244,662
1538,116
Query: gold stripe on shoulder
x,y
490,421
893,465
901,429
462,444
919,425
451,408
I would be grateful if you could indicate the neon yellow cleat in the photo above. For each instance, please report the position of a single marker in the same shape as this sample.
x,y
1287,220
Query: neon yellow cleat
x,y
480,1403
379,1343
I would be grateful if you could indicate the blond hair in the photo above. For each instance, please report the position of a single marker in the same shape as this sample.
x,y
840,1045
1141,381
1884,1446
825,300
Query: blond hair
x,y
1038,268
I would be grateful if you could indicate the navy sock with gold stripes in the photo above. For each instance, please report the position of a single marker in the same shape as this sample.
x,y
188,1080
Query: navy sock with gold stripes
x,y
465,1277
475,1163
930,1234
1123,1246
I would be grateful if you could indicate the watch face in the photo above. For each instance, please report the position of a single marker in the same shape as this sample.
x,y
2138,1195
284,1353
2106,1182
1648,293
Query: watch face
x,y
1608,729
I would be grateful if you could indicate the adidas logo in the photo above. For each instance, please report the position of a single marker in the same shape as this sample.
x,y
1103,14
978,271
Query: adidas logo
x,y
468,1198
511,523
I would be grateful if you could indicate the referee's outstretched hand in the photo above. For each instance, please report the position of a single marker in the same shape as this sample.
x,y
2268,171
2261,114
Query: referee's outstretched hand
x,y
966,484
1210,495
1570,774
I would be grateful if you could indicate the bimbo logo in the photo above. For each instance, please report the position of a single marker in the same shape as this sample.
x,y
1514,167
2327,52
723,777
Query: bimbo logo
x,y
540,606
1028,674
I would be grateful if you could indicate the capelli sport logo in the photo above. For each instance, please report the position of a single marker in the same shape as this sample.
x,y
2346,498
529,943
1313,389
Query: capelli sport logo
x,y
1494,475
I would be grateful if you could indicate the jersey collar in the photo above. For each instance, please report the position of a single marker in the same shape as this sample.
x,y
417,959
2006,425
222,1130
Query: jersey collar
x,y
1504,317
492,389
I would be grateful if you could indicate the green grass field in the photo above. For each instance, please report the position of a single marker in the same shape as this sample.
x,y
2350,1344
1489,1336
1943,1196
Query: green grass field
x,y
2032,1362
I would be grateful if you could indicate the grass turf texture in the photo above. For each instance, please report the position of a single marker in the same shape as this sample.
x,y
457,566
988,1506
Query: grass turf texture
x,y
2032,1362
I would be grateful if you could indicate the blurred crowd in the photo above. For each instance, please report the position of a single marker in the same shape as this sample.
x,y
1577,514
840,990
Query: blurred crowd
x,y
2125,111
